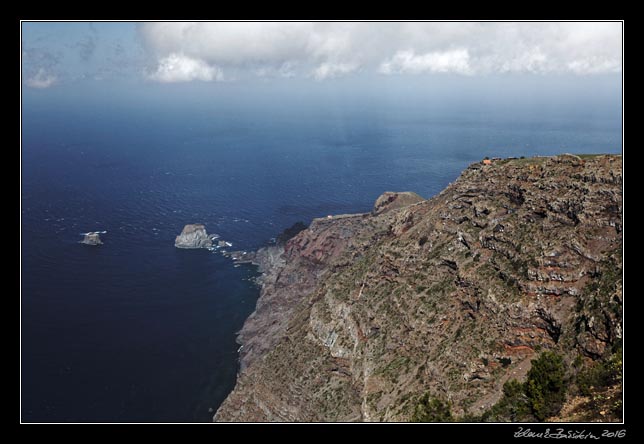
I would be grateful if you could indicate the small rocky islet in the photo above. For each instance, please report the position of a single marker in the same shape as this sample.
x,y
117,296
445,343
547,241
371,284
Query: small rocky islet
x,y
195,236
92,238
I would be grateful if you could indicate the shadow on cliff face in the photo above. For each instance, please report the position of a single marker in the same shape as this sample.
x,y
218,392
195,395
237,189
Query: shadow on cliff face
x,y
290,232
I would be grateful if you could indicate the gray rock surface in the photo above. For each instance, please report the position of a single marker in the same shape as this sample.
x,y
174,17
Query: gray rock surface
x,y
390,200
193,236
91,239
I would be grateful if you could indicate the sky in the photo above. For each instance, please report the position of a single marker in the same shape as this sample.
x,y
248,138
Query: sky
x,y
58,54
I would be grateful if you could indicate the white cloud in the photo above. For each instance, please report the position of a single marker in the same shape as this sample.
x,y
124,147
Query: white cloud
x,y
42,79
286,70
181,68
229,43
325,50
532,60
455,60
332,70
593,65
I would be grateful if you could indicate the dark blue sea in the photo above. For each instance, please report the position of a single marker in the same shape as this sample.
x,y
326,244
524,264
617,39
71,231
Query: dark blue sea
x,y
136,330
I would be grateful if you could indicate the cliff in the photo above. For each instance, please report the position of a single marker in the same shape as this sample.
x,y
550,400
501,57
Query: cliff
x,y
366,317
193,236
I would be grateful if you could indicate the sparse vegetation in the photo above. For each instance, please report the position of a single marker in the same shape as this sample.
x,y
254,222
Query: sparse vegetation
x,y
601,375
539,397
512,407
543,393
545,385
430,409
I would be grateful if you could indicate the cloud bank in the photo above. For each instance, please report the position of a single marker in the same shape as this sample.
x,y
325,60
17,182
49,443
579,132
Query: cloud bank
x,y
181,68
456,60
183,51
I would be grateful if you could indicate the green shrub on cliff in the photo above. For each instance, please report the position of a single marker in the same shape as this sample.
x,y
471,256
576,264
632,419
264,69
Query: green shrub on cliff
x,y
512,407
430,409
545,387
540,396
601,375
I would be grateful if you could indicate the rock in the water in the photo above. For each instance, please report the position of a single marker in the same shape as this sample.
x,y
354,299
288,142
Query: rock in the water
x,y
91,239
193,236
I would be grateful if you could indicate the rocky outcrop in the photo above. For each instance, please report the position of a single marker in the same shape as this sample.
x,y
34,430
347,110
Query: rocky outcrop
x,y
390,201
360,315
91,239
193,236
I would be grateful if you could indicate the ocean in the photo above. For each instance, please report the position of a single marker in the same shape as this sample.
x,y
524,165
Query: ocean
x,y
136,330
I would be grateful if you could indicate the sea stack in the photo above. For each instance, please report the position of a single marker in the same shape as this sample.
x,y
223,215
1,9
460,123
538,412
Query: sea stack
x,y
91,239
193,236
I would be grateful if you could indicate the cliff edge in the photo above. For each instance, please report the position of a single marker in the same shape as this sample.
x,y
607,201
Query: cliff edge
x,y
365,317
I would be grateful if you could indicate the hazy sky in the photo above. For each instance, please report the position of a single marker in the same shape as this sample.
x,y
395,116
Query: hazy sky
x,y
55,54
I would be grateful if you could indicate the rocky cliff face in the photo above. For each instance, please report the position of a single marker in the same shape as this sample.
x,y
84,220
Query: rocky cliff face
x,y
360,315
193,236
